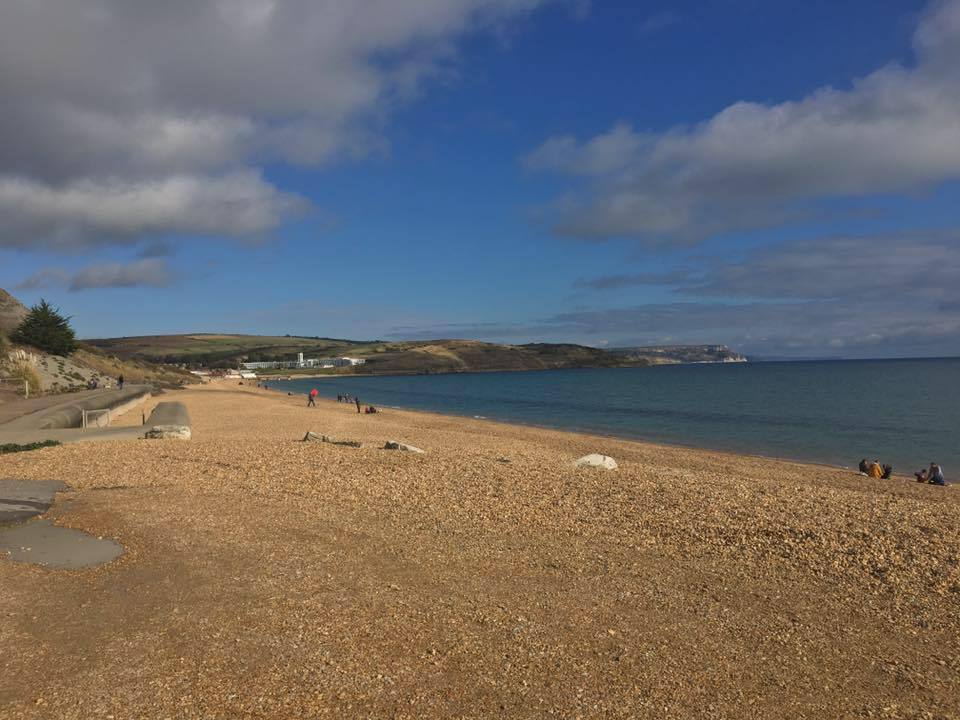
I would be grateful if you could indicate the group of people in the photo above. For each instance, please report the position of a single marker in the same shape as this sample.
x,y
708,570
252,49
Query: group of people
x,y
93,383
932,475
369,410
876,470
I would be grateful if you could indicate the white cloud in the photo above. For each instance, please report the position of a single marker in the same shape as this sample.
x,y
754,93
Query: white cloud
x,y
159,96
895,130
113,210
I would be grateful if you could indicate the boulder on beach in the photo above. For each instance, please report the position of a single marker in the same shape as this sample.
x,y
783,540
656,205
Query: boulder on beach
x,y
394,445
595,460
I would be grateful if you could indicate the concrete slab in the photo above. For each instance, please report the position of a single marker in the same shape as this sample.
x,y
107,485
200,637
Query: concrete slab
x,y
42,543
23,499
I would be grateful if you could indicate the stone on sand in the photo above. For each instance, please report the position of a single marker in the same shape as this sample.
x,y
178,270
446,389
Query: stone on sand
x,y
598,461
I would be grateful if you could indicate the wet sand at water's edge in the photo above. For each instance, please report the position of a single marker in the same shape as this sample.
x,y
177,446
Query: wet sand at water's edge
x,y
264,577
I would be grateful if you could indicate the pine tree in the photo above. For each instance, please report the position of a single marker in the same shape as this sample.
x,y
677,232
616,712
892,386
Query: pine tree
x,y
46,329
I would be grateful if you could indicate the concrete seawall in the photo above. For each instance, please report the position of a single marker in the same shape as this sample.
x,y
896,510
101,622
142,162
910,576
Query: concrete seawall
x,y
169,420
69,414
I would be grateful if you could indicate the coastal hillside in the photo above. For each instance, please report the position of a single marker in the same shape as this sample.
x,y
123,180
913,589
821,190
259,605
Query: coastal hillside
x,y
12,312
673,354
426,356
213,350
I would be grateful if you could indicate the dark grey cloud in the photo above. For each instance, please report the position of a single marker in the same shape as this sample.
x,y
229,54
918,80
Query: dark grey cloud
x,y
127,118
49,277
915,266
148,272
754,165
157,249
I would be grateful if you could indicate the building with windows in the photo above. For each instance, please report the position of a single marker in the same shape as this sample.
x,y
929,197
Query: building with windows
x,y
301,362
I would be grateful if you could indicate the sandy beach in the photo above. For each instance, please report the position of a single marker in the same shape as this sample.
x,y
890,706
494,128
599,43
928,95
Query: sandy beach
x,y
265,577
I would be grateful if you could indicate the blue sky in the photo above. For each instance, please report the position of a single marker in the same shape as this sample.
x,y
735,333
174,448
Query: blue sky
x,y
778,176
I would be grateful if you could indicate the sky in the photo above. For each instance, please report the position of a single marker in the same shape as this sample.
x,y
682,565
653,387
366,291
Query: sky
x,y
781,176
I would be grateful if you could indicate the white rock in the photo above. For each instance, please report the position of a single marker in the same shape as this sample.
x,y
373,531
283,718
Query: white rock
x,y
594,460
394,445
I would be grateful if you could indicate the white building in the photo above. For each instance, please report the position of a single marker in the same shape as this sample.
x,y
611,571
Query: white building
x,y
300,362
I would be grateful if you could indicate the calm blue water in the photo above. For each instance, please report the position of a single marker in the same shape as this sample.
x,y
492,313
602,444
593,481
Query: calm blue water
x,y
905,412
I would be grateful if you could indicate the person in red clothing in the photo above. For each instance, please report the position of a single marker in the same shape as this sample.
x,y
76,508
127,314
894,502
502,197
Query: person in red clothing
x,y
312,397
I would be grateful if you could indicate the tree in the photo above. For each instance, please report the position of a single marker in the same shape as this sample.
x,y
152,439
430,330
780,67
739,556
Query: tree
x,y
46,329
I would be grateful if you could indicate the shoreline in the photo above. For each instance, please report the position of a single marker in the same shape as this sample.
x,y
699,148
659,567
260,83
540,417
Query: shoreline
x,y
586,432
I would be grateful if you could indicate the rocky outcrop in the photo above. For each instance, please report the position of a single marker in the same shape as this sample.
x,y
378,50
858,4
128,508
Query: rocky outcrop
x,y
597,461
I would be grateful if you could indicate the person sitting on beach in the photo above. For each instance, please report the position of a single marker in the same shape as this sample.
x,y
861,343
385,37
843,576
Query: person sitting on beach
x,y
887,472
876,471
935,475
864,467
370,410
921,476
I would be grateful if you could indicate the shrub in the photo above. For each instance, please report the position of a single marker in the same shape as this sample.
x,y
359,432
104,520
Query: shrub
x,y
24,371
46,329
14,447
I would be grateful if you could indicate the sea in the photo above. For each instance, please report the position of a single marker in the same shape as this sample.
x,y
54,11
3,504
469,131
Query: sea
x,y
902,412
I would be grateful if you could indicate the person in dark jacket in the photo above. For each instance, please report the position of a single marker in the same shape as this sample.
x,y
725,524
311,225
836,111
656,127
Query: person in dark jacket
x,y
935,475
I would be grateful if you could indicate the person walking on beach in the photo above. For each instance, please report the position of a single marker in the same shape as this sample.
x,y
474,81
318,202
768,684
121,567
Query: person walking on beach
x,y
120,382
312,398
358,405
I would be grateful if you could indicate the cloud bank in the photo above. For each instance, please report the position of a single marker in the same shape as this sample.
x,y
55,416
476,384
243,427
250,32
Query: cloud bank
x,y
125,118
755,165
871,296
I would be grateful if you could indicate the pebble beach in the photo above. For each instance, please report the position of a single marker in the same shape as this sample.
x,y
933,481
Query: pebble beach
x,y
265,577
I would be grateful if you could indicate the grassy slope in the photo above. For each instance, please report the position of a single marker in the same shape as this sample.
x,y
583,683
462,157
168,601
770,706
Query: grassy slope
x,y
394,357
